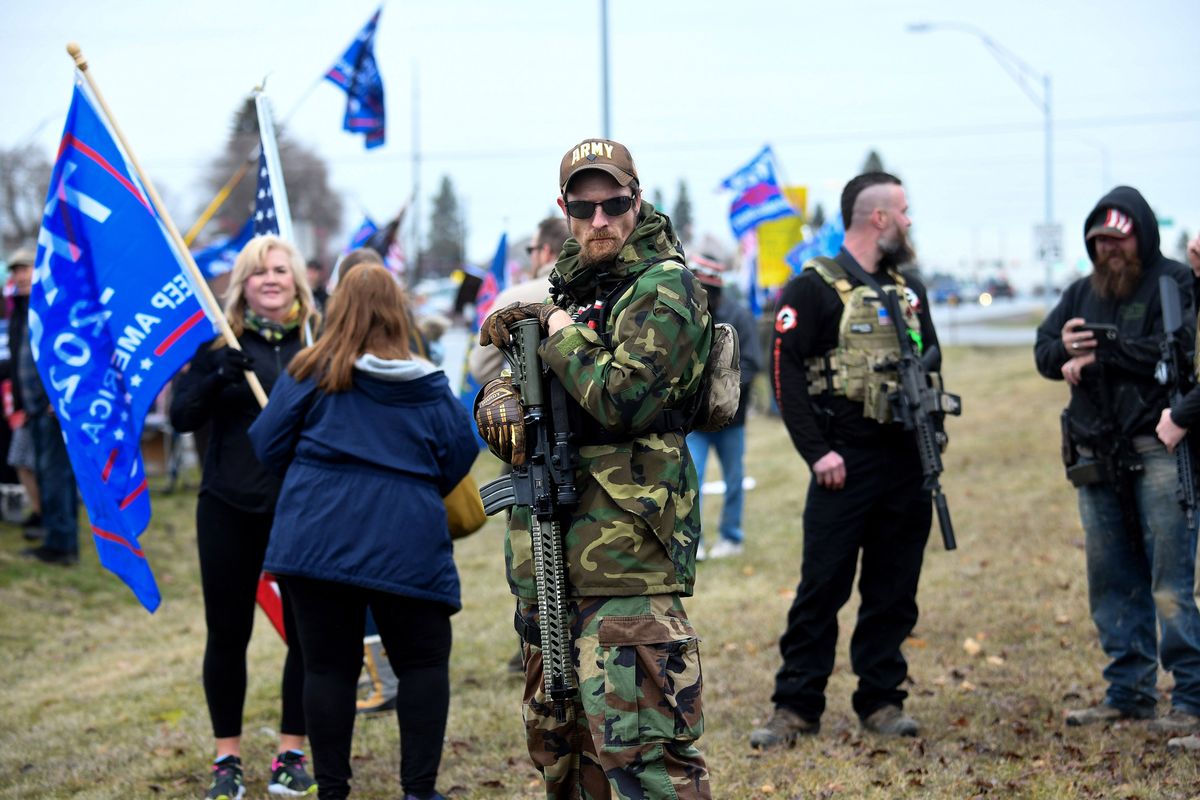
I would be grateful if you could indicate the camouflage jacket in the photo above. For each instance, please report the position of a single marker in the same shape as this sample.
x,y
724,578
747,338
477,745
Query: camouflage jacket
x,y
638,521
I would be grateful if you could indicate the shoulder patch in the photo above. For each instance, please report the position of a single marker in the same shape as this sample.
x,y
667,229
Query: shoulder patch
x,y
785,319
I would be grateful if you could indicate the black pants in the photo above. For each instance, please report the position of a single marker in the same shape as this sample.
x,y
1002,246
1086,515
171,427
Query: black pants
x,y
884,513
330,618
232,544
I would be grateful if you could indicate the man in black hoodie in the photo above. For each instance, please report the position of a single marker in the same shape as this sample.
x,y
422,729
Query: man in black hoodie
x,y
1140,550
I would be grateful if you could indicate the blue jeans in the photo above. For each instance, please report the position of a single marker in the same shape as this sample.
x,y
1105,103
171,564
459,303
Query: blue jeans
x,y
56,484
1138,578
730,444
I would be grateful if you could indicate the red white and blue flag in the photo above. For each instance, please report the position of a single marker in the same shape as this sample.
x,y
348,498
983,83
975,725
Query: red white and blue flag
x,y
757,198
112,316
357,74
494,282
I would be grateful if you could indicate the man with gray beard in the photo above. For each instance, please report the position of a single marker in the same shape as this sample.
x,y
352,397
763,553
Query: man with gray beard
x,y
1103,338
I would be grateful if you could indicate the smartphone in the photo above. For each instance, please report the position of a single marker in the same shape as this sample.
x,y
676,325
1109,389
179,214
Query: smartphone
x,y
1105,332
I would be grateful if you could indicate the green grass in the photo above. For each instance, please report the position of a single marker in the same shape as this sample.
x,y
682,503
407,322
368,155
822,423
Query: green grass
x,y
101,700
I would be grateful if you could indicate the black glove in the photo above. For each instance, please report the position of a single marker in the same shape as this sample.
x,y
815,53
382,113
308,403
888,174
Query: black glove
x,y
232,365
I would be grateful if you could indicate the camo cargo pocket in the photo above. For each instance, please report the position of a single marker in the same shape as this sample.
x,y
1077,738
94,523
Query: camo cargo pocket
x,y
652,680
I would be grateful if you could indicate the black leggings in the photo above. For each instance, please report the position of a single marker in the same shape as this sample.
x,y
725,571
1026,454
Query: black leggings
x,y
232,544
330,618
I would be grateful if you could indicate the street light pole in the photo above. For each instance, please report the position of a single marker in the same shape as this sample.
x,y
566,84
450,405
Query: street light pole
x,y
1025,76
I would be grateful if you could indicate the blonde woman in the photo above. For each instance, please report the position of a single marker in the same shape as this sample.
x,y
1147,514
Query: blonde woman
x,y
269,306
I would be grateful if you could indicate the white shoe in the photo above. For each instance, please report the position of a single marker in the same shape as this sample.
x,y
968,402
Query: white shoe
x,y
701,553
724,549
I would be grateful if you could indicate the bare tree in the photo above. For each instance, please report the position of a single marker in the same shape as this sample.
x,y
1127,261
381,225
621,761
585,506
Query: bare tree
x,y
24,183
310,197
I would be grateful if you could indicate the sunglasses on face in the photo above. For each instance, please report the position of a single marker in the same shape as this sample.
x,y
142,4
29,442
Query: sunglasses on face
x,y
612,207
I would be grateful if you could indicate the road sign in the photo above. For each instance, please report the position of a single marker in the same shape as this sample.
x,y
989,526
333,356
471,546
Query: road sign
x,y
1047,243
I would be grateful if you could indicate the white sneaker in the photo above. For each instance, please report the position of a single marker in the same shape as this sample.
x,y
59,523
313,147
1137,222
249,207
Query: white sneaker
x,y
701,552
724,549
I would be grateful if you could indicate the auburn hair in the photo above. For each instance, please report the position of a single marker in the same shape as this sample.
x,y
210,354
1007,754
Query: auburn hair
x,y
367,314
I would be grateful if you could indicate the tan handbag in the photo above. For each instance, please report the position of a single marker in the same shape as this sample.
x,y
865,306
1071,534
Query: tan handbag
x,y
464,509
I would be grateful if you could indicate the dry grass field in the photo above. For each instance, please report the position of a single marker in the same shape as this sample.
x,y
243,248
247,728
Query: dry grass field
x,y
101,700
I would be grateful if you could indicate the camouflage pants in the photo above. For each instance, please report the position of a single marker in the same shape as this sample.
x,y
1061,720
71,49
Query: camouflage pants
x,y
630,731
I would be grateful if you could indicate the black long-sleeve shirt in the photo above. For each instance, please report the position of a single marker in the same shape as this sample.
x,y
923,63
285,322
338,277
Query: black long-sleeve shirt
x,y
806,325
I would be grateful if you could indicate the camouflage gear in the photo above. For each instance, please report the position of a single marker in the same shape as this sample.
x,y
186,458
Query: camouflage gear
x,y
862,367
630,732
637,524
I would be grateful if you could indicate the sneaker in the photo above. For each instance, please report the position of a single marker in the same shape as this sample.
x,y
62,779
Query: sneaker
x,y
724,549
288,777
34,533
1184,744
227,781
1175,721
890,720
701,552
783,728
1105,714
51,555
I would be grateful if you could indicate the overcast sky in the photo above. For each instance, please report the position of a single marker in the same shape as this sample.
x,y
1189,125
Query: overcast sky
x,y
697,89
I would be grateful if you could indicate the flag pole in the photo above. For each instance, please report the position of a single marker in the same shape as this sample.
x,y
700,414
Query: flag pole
x,y
197,278
220,199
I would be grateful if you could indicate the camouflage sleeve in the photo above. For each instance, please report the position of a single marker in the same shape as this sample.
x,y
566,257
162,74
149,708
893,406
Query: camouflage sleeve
x,y
659,346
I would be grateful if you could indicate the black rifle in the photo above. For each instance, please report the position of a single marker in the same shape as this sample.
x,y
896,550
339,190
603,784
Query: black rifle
x,y
915,400
545,484
1173,372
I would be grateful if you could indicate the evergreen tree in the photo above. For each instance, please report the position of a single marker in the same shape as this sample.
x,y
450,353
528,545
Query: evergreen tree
x,y
682,216
656,199
447,233
310,198
873,163
818,217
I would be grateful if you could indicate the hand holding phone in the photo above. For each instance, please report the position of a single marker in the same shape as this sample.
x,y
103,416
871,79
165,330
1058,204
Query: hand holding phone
x,y
1104,333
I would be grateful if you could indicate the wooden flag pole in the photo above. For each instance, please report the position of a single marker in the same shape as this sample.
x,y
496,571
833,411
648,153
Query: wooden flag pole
x,y
197,278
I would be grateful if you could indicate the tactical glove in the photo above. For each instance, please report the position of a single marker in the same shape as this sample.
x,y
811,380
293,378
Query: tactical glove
x,y
495,328
232,365
501,420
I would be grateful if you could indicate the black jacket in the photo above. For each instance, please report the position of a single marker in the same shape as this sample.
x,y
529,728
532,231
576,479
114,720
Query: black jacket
x,y
231,470
1122,379
806,324
18,330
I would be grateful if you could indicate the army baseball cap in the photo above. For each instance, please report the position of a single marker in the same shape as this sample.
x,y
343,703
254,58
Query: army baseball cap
x,y
1114,223
602,154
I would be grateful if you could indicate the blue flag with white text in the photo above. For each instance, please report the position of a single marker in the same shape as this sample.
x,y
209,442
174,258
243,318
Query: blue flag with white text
x,y
365,231
112,316
758,197
827,241
217,258
357,74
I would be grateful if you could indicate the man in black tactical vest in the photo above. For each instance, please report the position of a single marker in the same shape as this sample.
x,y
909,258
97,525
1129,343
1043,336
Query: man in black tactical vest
x,y
834,342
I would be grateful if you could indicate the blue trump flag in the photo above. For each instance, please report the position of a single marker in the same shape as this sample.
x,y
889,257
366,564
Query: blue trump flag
x,y
112,316
357,74
218,257
365,231
827,241
758,197
494,282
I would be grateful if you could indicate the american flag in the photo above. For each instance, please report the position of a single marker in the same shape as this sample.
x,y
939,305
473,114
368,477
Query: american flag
x,y
264,201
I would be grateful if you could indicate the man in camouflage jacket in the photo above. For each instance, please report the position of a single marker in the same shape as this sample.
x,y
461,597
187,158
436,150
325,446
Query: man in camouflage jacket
x,y
629,349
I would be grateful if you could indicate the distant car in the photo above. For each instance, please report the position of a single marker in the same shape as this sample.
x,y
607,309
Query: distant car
x,y
998,289
945,290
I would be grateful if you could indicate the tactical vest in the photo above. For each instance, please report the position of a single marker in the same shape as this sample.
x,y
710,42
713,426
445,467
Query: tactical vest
x,y
862,367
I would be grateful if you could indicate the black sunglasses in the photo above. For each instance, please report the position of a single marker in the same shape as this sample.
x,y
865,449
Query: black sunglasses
x,y
612,207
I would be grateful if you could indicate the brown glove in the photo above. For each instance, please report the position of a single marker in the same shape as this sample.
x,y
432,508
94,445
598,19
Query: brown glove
x,y
501,420
495,328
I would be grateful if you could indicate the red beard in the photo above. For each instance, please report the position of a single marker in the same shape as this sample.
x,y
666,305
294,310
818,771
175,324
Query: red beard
x,y
1114,277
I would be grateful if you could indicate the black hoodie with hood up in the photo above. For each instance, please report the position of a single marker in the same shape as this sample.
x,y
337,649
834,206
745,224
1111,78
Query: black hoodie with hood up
x,y
1118,393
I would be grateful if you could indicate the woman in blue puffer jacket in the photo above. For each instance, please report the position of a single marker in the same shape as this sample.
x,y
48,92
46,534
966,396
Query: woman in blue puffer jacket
x,y
369,439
